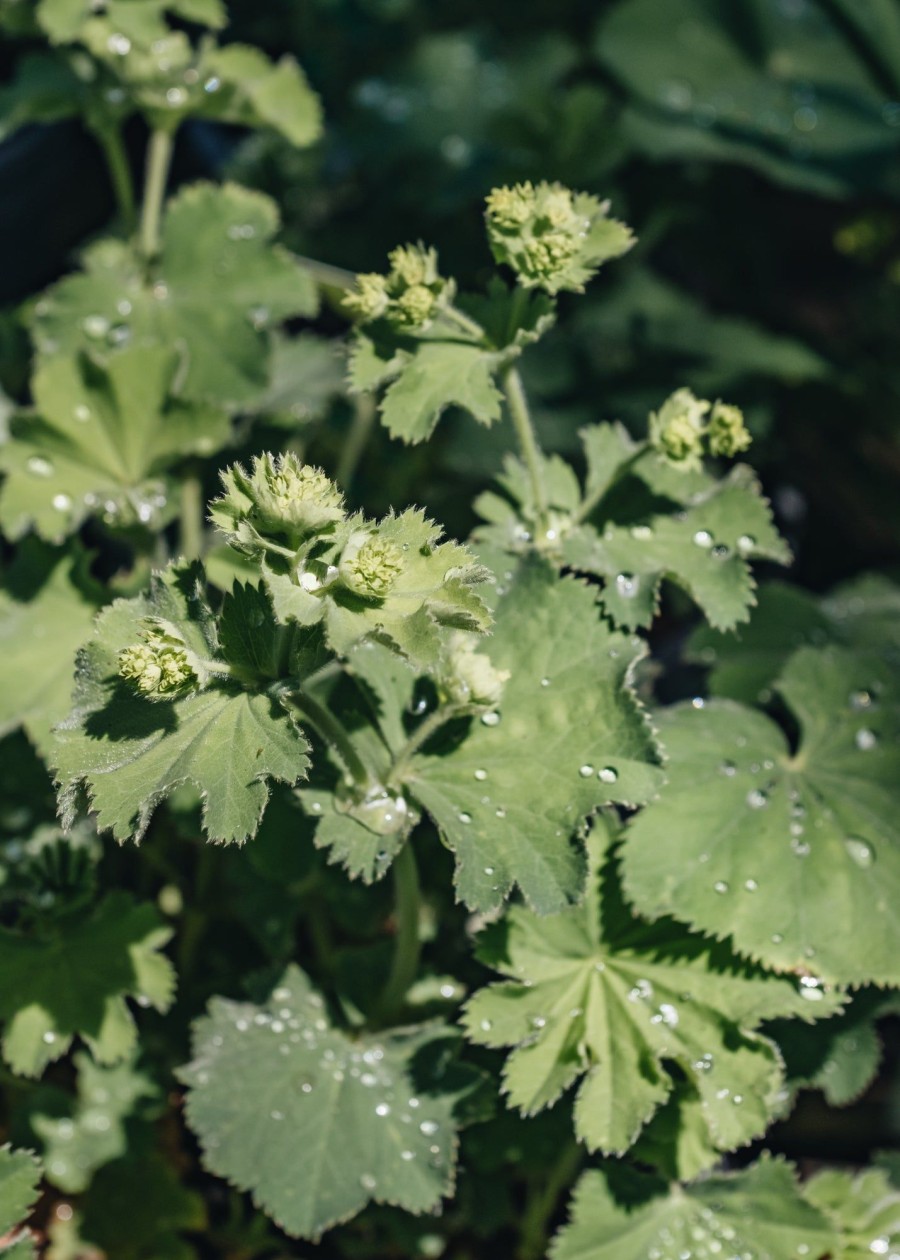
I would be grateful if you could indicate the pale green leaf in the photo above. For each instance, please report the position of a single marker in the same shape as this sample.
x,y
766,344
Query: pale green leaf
x,y
99,436
322,1124
218,285
864,1209
440,374
73,981
705,549
256,92
598,997
76,1145
757,1213
19,1177
306,375
47,605
225,739
569,737
792,854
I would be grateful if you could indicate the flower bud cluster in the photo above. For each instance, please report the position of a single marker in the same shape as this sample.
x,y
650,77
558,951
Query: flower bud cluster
x,y
551,237
278,497
469,676
370,565
157,666
686,427
410,294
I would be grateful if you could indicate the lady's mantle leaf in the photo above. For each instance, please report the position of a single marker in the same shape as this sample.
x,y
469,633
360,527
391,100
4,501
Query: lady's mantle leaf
x,y
99,436
316,1125
795,856
569,737
757,1213
438,375
74,983
598,995
19,1177
865,1209
218,285
46,609
227,740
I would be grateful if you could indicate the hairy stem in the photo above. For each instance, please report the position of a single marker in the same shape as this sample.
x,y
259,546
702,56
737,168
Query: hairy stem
x,y
542,1202
191,517
357,439
407,947
517,404
463,322
332,731
110,140
421,736
159,158
327,276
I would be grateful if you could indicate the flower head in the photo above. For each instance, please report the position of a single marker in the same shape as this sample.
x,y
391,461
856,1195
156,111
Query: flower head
x,y
280,495
677,429
370,565
470,677
727,434
157,666
408,296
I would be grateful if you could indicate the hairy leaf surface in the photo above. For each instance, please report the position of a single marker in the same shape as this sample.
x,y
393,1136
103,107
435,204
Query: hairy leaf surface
x,y
794,855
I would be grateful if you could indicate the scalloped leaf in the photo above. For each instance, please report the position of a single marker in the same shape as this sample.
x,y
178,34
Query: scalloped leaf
x,y
98,437
757,1213
253,91
597,996
322,1124
47,606
792,854
569,737
73,981
865,1209
20,1174
226,739
435,376
219,283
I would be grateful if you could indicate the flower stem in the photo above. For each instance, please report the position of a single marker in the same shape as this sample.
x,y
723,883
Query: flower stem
x,y
422,734
332,731
356,440
191,517
408,946
463,322
326,275
517,404
542,1201
159,158
110,140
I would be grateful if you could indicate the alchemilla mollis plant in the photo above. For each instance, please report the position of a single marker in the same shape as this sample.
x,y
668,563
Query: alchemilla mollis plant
x,y
358,887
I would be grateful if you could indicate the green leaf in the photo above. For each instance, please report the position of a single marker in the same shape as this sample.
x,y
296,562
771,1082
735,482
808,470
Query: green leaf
x,y
19,1177
570,736
792,854
219,283
98,437
597,996
44,88
306,375
73,981
323,1125
132,752
47,605
256,92
64,20
76,1145
705,549
437,375
865,1210
757,1213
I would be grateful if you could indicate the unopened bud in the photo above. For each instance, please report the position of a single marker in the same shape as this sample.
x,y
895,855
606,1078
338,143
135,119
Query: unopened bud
x,y
471,678
727,434
677,429
157,666
370,565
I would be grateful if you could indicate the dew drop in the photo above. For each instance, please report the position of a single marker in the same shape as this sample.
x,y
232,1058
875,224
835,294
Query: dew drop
x,y
720,551
627,585
48,1038
727,768
39,466
757,799
62,502
720,886
865,739
382,1109
703,538
643,533
860,851
811,988
586,771
489,870
82,413
776,938
119,44
800,848
176,97
464,818
408,1155
480,775
429,1127
277,1115
95,325
367,1181
490,719
745,544
485,1025
607,774
751,885
545,682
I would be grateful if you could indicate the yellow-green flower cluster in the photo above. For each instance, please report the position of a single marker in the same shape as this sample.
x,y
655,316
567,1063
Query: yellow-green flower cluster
x,y
279,496
370,565
470,677
551,237
158,666
683,430
410,294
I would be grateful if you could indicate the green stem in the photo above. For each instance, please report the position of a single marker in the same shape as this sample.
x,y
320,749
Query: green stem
x,y
590,501
407,947
463,321
110,140
357,439
542,1202
191,517
421,735
517,404
331,730
159,157
327,276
